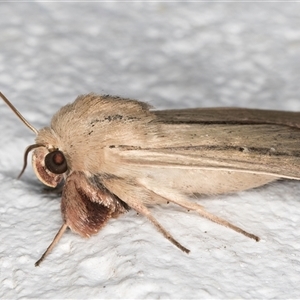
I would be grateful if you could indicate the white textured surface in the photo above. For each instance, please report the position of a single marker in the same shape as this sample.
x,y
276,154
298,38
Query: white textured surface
x,y
170,55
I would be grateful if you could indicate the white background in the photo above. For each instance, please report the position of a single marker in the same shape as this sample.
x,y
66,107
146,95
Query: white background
x,y
170,55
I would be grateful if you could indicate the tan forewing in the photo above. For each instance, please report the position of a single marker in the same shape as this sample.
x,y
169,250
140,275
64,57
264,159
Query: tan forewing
x,y
263,142
228,115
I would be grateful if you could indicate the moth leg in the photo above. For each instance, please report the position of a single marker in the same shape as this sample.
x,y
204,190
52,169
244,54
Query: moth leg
x,y
143,210
128,193
53,243
204,213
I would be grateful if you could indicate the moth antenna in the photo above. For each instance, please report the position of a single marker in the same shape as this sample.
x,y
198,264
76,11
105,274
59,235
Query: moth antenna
x,y
53,243
28,149
18,114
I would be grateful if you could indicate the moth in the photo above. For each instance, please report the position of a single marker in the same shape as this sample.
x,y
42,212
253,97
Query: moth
x,y
112,154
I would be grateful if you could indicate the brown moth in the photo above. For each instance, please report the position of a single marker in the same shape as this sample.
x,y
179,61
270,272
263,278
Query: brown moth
x,y
113,154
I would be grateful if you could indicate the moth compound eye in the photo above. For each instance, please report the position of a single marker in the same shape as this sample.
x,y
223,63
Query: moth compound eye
x,y
55,162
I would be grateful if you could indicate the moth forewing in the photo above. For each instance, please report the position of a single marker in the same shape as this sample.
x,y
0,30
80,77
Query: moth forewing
x,y
265,149
116,153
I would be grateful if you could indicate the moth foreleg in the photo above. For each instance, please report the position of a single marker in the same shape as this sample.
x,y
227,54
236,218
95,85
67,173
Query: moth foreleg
x,y
53,243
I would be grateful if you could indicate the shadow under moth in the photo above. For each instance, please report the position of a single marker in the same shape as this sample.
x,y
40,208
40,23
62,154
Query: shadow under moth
x,y
113,154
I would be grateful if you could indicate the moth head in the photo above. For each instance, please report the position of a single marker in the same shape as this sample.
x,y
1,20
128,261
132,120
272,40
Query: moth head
x,y
49,163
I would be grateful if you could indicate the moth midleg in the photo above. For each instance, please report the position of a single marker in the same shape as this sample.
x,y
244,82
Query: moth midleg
x,y
129,193
204,213
143,210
